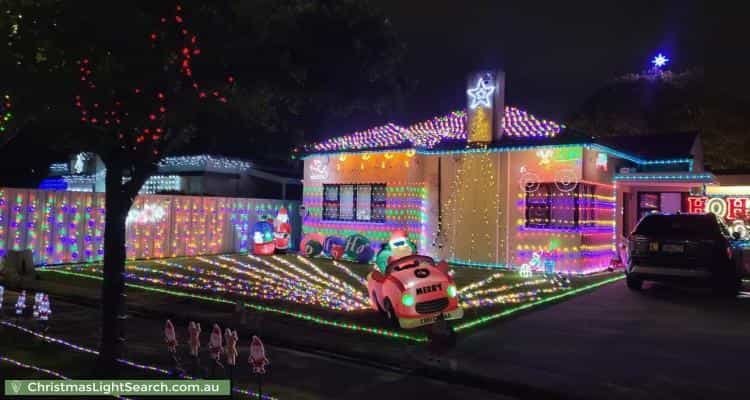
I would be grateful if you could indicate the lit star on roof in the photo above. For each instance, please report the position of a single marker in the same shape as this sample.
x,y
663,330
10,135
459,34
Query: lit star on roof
x,y
659,61
480,95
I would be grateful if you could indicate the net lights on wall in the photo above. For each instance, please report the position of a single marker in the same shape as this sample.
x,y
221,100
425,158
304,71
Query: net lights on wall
x,y
202,163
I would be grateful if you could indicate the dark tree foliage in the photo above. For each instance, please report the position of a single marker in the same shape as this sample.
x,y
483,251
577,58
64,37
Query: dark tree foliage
x,y
306,69
134,81
663,102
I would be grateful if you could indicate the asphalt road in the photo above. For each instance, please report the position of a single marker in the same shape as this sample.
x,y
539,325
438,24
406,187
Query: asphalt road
x,y
662,343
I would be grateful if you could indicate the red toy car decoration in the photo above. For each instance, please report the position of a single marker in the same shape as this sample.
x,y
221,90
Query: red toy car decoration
x,y
414,291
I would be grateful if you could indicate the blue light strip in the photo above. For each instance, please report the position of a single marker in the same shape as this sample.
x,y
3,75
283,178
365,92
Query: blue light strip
x,y
668,177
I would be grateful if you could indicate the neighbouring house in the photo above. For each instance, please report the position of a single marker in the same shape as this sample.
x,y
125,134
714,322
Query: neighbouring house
x,y
494,186
204,175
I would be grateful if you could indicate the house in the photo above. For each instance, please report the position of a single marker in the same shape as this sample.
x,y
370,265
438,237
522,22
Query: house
x,y
201,174
495,186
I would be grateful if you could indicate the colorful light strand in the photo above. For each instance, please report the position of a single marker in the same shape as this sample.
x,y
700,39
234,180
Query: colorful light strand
x,y
134,364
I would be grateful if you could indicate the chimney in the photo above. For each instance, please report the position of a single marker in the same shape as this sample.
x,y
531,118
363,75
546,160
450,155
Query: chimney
x,y
485,107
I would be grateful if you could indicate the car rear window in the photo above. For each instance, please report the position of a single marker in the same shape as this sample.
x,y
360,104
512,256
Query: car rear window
x,y
678,225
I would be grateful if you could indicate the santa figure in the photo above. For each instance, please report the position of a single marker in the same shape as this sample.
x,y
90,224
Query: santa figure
x,y
397,247
282,230
21,303
400,245
230,348
215,344
170,337
257,359
194,341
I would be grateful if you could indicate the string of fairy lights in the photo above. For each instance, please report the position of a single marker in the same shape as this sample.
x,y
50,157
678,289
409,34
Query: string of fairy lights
x,y
430,133
480,295
64,227
133,364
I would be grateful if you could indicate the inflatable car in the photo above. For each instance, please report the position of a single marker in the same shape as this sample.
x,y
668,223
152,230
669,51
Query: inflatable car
x,y
414,291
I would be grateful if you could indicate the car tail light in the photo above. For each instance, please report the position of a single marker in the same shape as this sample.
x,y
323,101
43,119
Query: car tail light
x,y
729,252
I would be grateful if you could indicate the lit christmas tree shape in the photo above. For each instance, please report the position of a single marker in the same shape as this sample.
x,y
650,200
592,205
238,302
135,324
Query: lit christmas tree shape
x,y
480,94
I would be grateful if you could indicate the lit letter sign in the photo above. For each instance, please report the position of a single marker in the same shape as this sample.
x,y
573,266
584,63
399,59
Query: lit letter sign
x,y
729,208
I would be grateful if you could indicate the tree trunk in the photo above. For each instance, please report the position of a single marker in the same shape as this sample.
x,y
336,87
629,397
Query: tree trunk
x,y
118,203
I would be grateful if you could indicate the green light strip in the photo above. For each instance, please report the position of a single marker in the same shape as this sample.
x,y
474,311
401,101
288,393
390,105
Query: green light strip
x,y
510,311
298,315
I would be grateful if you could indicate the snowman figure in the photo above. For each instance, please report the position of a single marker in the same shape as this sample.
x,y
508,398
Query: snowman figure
x,y
21,303
215,345
37,303
45,310
257,359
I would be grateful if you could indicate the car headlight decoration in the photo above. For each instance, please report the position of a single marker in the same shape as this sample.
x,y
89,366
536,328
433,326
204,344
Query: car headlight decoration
x,y
407,299
452,290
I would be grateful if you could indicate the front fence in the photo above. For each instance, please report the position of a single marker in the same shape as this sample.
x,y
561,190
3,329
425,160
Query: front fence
x,y
62,227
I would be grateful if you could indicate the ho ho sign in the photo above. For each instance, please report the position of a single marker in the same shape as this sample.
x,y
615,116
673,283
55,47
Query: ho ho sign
x,y
725,207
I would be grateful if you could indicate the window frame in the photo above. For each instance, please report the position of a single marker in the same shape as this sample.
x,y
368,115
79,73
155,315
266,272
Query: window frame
x,y
578,203
380,205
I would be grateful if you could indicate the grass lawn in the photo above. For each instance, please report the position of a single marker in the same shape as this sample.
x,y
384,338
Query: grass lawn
x,y
319,290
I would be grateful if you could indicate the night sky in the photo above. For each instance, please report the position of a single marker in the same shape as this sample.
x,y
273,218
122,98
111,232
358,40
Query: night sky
x,y
554,53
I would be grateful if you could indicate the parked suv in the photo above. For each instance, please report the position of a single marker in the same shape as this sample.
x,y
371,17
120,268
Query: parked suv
x,y
693,248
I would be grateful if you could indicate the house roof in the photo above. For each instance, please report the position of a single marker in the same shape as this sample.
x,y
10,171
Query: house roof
x,y
447,131
653,147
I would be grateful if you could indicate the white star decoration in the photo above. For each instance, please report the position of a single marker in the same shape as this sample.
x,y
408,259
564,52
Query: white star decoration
x,y
659,61
480,95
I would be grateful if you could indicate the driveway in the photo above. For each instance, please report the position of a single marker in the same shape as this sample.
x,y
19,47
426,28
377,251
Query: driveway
x,y
662,343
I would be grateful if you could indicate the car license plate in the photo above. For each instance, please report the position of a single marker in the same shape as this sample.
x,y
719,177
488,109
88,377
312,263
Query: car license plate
x,y
653,246
673,248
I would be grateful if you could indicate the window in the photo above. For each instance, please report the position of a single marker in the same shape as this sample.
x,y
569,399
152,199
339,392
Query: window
x,y
364,202
551,206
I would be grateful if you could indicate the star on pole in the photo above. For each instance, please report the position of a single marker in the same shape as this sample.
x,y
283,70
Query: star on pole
x,y
480,95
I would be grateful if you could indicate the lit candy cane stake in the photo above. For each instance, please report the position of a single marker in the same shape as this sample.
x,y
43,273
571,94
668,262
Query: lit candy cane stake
x,y
21,304
215,347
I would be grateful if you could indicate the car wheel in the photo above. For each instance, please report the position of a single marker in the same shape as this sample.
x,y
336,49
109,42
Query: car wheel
x,y
375,300
389,313
633,283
